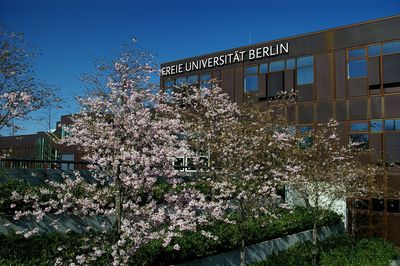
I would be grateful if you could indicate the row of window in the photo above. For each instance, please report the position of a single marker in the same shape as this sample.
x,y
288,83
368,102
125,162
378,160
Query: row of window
x,y
378,205
302,69
357,61
377,125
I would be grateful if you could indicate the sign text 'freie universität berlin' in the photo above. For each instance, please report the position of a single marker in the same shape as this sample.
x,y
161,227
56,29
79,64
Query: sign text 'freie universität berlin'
x,y
226,59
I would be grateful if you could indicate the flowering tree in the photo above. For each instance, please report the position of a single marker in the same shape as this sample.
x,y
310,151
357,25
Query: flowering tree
x,y
129,134
323,171
20,92
246,152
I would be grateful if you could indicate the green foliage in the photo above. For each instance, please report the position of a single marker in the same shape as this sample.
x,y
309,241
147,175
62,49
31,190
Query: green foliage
x,y
43,249
337,250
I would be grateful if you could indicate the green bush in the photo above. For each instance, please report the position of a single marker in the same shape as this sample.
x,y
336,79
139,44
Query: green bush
x,y
337,250
43,249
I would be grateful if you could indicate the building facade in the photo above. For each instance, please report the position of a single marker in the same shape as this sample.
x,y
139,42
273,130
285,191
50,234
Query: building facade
x,y
350,73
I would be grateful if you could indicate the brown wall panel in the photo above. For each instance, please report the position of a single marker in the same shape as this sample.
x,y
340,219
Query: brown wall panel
x,y
289,80
358,109
376,107
340,71
374,76
239,85
341,110
305,113
228,82
392,106
262,86
305,93
324,79
324,111
358,87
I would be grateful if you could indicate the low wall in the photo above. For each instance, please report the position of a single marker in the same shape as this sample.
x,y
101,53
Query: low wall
x,y
65,223
263,250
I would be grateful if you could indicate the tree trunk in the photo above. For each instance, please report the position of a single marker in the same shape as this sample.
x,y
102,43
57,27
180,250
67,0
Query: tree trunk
x,y
118,203
315,247
353,221
242,255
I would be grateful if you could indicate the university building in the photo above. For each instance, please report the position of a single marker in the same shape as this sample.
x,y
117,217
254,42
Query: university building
x,y
349,73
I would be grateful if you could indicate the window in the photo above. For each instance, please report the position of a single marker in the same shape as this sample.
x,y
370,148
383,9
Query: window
x,y
291,64
391,47
359,140
305,75
376,125
393,205
392,124
205,81
277,66
357,53
305,70
359,127
180,82
305,61
307,140
251,83
250,70
361,204
357,68
263,68
192,80
374,50
168,84
378,205
251,79
179,164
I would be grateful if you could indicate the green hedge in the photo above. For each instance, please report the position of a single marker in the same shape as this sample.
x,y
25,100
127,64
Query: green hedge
x,y
337,250
43,250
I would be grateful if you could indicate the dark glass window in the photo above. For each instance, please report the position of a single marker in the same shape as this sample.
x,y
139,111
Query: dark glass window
x,y
263,68
376,125
251,83
357,68
361,204
357,53
307,140
168,84
305,129
391,47
291,64
305,61
277,66
359,127
250,70
205,78
191,80
178,164
392,124
393,205
378,205
180,81
374,50
359,140
305,75
205,81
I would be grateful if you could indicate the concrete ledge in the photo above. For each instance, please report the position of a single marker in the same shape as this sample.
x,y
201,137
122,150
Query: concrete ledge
x,y
395,263
65,223
263,250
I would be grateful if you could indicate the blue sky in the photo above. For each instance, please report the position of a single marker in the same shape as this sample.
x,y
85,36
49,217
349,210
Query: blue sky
x,y
72,33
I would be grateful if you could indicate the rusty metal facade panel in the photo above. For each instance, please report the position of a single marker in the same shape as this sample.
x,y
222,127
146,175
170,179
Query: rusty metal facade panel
x,y
228,82
340,74
324,78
